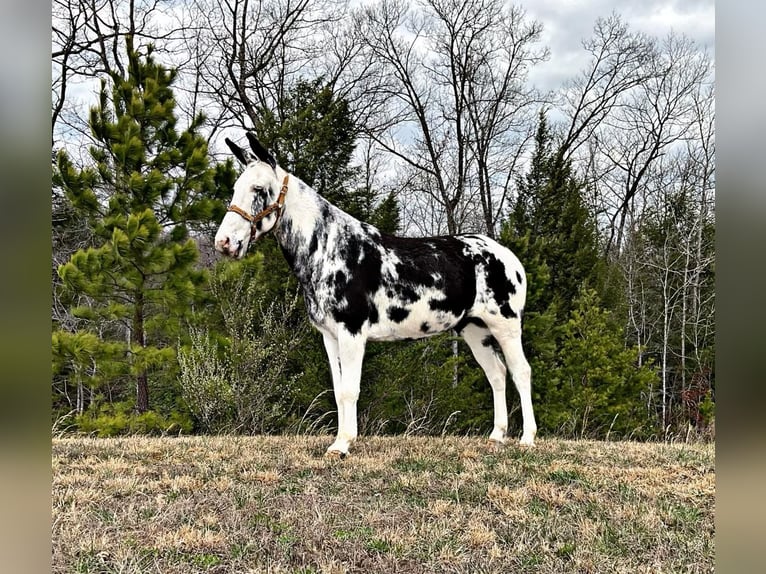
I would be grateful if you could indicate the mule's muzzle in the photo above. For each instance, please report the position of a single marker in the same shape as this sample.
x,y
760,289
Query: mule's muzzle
x,y
228,247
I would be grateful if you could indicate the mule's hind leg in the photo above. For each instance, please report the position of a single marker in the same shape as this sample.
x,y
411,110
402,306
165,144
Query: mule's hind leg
x,y
510,342
480,341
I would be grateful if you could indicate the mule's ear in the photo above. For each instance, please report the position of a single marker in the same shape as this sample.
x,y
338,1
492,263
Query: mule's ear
x,y
261,152
242,155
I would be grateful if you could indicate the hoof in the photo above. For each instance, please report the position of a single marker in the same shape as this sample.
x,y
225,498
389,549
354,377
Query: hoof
x,y
529,443
495,445
335,454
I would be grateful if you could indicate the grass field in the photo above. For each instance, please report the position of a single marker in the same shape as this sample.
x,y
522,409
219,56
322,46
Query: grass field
x,y
275,504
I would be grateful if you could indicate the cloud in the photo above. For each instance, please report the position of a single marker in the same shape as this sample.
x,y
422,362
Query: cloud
x,y
568,22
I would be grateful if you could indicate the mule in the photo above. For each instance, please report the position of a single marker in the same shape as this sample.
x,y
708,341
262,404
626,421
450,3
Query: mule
x,y
363,285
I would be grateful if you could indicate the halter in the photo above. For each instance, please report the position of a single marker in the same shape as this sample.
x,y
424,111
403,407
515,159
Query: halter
x,y
276,206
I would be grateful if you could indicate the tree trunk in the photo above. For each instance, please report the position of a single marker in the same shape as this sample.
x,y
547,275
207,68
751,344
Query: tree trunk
x,y
665,344
682,358
455,373
137,338
142,393
486,197
80,397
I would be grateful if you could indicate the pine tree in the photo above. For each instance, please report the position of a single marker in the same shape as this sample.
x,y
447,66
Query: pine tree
x,y
386,215
552,232
148,186
312,134
551,212
596,387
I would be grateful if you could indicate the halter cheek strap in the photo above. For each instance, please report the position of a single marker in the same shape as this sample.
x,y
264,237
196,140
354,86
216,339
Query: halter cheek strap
x,y
276,206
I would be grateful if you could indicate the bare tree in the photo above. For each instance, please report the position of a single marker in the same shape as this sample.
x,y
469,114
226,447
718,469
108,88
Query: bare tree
x,y
493,58
451,98
702,157
652,118
667,262
640,129
617,62
698,303
90,40
248,53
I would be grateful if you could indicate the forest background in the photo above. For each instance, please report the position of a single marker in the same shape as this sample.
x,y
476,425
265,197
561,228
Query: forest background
x,y
421,118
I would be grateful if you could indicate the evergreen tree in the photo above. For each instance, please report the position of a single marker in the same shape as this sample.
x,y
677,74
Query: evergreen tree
x,y
150,183
386,215
551,213
596,387
74,358
312,133
552,232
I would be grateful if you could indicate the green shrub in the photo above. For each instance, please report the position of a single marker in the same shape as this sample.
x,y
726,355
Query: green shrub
x,y
120,419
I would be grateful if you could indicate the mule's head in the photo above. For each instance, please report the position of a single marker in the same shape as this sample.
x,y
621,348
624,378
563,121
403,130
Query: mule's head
x,y
255,190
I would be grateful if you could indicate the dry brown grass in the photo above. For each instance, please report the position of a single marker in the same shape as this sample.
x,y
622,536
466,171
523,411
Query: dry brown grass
x,y
275,504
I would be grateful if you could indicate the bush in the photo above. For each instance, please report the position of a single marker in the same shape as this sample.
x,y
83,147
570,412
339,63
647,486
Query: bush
x,y
115,419
595,388
238,380
204,382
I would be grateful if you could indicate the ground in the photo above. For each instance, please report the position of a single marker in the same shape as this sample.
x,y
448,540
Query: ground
x,y
396,504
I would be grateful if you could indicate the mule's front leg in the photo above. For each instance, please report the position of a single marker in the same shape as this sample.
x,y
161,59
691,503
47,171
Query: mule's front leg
x,y
333,356
346,388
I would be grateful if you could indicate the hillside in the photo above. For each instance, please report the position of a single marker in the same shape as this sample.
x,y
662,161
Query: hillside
x,y
275,504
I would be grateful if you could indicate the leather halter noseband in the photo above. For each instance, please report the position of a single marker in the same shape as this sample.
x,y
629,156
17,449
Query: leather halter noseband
x,y
276,206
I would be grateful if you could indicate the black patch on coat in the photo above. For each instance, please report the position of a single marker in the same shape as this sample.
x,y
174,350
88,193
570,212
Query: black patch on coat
x,y
488,341
469,321
318,239
288,245
398,314
340,281
425,327
412,275
518,276
362,259
373,316
289,257
314,243
507,312
422,259
499,284
405,293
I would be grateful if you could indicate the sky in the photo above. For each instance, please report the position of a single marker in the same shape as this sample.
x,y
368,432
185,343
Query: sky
x,y
567,22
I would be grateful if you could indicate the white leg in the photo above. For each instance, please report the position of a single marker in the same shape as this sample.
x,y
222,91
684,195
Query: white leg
x,y
333,356
346,388
522,378
485,355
